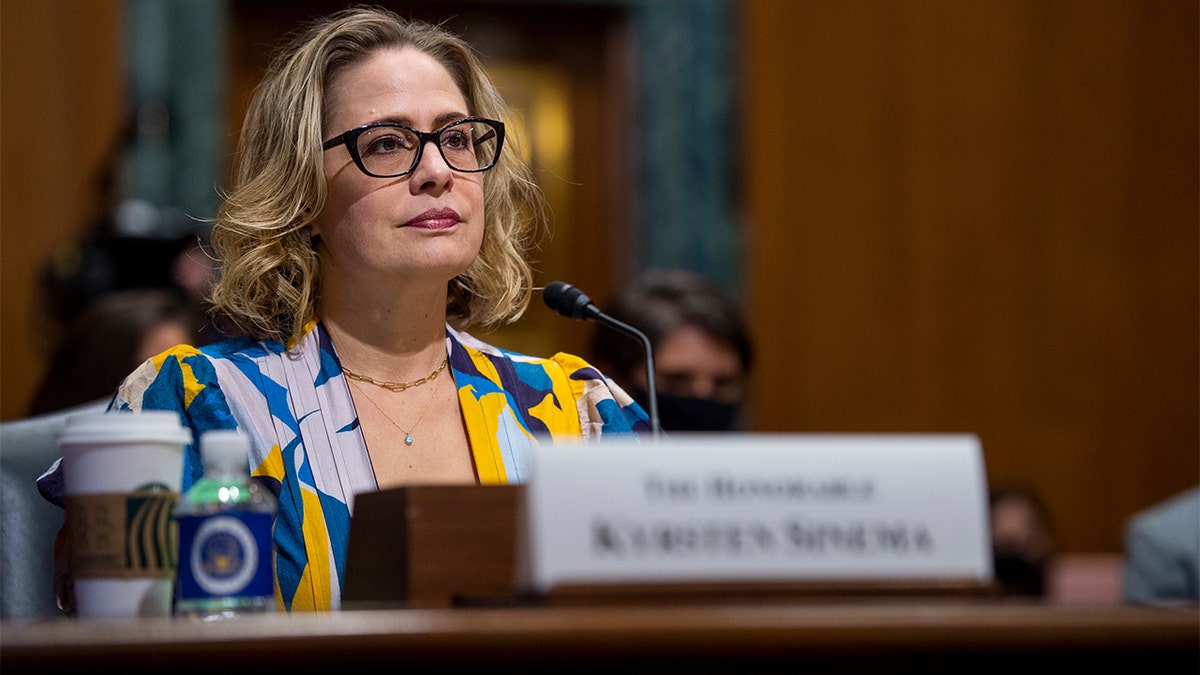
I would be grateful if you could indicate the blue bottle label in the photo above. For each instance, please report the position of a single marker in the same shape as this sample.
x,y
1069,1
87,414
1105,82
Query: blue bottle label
x,y
225,555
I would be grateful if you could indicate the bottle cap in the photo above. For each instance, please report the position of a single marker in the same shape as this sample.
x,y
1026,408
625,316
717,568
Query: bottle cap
x,y
224,447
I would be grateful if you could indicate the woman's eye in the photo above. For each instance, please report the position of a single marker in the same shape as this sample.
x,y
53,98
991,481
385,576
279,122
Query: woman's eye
x,y
455,139
386,143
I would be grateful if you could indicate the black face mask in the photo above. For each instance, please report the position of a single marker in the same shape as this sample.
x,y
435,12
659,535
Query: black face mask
x,y
1017,575
686,413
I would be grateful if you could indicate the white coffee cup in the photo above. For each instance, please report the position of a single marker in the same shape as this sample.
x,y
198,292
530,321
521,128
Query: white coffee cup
x,y
121,476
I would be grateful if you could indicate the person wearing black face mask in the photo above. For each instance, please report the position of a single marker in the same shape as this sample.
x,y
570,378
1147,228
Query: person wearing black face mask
x,y
702,349
1023,540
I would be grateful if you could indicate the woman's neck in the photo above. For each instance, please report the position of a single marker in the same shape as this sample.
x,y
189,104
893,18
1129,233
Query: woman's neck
x,y
399,337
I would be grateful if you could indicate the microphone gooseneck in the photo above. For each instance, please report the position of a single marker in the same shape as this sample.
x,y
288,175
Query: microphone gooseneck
x,y
575,304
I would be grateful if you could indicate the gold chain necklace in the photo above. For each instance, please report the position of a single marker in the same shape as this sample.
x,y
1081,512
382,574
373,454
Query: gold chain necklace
x,y
408,437
396,386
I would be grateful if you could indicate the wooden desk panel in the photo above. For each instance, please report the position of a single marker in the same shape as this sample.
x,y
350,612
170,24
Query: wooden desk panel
x,y
936,636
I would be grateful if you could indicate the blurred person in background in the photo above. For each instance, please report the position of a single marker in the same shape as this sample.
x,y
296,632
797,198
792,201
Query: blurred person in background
x,y
137,246
107,339
128,243
702,349
1023,540
1162,552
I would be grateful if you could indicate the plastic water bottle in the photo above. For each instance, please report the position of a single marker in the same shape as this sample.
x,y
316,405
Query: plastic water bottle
x,y
225,521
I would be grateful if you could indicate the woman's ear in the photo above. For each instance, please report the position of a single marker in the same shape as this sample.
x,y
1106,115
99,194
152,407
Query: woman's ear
x,y
314,227
314,235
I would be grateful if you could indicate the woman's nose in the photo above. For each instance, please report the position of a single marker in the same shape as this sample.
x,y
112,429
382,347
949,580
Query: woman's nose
x,y
432,172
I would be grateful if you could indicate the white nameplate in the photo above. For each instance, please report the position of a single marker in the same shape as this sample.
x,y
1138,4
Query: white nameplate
x,y
758,508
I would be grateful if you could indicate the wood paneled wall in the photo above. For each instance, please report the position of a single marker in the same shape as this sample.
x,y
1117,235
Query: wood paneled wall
x,y
62,107
981,215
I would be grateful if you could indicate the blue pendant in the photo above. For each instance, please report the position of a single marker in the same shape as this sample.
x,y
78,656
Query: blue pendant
x,y
408,439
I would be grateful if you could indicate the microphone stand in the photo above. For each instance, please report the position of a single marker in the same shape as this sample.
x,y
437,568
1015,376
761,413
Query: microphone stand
x,y
651,388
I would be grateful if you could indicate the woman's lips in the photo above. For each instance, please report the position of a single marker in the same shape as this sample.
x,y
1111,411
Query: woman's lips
x,y
435,219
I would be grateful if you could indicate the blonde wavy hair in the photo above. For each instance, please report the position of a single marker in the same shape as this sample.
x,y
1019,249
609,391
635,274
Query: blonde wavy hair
x,y
270,274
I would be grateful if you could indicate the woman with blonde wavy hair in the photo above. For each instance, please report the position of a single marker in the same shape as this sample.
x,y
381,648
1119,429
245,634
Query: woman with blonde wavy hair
x,y
378,212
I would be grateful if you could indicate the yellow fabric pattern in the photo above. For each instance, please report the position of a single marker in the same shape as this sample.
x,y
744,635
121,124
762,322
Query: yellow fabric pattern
x,y
481,417
313,592
563,422
191,386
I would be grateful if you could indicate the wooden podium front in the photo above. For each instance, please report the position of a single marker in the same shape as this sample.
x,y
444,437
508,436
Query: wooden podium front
x,y
432,546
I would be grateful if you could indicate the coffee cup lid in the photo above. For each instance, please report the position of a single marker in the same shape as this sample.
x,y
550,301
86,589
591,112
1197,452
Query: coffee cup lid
x,y
161,426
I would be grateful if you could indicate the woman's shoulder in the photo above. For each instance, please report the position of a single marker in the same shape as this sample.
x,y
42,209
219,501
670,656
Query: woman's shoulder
x,y
227,349
199,362
602,406
182,375
572,365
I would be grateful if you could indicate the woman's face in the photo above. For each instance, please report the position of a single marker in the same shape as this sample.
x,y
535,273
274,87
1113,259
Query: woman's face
x,y
424,226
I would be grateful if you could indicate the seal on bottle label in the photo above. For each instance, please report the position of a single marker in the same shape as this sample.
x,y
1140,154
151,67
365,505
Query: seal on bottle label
x,y
222,555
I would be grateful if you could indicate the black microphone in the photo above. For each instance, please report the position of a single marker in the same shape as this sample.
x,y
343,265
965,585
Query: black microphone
x,y
575,304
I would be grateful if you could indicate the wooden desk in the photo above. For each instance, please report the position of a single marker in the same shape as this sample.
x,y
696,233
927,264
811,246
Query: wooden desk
x,y
933,636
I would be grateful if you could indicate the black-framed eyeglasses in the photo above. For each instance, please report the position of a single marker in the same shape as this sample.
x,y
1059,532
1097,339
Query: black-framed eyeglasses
x,y
388,150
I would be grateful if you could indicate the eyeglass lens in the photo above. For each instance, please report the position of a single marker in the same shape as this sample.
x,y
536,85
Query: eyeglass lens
x,y
392,150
